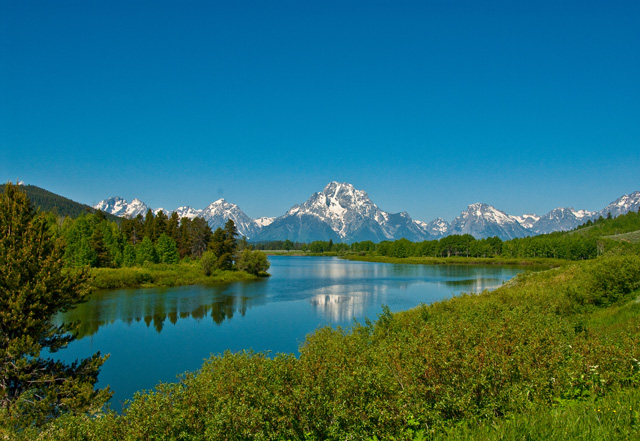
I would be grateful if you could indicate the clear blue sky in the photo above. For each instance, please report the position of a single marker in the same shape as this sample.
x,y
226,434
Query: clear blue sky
x,y
428,105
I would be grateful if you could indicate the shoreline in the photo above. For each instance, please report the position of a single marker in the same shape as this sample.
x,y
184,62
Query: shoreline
x,y
551,263
163,275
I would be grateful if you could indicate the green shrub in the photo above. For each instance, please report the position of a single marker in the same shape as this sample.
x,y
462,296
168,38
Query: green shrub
x,y
458,368
208,263
253,262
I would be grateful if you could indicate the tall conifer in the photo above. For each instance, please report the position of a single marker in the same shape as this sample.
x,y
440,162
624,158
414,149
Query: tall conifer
x,y
33,289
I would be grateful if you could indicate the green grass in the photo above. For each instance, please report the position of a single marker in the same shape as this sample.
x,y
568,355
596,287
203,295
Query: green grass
x,y
161,275
553,355
633,237
615,416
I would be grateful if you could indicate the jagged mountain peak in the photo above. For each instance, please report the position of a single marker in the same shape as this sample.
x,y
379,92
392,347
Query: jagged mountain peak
x,y
486,211
221,204
624,204
568,211
335,187
560,219
342,212
188,212
118,206
483,220
216,214
436,228
527,220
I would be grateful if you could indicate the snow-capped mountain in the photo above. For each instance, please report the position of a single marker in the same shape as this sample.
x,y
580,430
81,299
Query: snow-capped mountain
x,y
188,212
482,220
436,228
216,214
527,220
219,212
560,219
120,207
622,205
343,213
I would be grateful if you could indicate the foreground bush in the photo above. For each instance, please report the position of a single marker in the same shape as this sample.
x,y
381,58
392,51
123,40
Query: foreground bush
x,y
547,339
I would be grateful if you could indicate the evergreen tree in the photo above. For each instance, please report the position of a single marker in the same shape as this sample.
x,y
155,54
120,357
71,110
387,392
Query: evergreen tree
x,y
200,235
159,225
223,245
129,255
167,249
149,225
98,246
173,225
184,237
217,243
33,289
231,234
146,252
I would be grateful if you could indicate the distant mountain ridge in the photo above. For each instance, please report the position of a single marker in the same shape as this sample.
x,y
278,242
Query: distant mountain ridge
x,y
342,213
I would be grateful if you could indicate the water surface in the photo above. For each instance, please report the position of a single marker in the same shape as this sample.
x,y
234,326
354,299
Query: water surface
x,y
155,334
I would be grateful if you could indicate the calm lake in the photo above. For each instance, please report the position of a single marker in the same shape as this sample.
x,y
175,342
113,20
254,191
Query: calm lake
x,y
155,334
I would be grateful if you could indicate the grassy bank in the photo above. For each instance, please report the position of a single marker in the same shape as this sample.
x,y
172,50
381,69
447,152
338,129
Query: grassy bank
x,y
615,416
552,355
161,275
460,260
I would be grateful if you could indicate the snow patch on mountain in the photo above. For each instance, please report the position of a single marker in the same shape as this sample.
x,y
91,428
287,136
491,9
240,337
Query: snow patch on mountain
x,y
527,220
188,212
120,207
347,212
264,221
216,214
220,211
622,205
560,219
341,212
482,220
436,228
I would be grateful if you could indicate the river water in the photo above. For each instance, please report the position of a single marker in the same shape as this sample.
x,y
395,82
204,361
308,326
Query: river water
x,y
153,335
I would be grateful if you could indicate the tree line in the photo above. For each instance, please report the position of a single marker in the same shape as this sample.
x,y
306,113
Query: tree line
x,y
585,242
92,240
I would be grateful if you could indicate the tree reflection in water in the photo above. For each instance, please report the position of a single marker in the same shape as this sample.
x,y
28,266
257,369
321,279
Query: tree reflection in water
x,y
155,306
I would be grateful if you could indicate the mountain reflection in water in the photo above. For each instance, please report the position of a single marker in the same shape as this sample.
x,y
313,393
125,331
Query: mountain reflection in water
x,y
154,334
338,291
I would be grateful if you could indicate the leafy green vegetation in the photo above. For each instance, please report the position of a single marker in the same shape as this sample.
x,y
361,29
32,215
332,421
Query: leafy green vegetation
x,y
610,417
157,251
549,353
552,354
632,237
156,275
33,288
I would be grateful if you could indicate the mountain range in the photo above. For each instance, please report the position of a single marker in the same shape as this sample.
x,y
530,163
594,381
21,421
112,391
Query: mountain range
x,y
342,213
